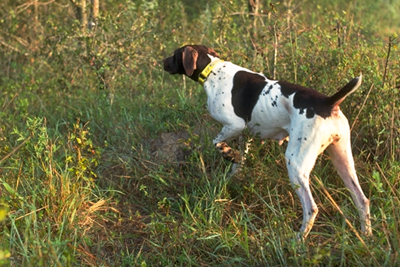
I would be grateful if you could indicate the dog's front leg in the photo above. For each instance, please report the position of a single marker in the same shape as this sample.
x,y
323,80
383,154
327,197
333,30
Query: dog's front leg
x,y
235,156
228,133
228,153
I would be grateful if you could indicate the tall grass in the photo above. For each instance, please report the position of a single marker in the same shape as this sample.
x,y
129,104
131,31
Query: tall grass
x,y
106,160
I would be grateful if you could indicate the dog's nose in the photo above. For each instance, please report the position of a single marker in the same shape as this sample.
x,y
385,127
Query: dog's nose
x,y
165,64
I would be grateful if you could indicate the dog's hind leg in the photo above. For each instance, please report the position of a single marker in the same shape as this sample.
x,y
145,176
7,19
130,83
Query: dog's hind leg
x,y
301,155
342,159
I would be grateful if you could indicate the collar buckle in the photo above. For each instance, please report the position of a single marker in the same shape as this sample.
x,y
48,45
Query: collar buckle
x,y
207,70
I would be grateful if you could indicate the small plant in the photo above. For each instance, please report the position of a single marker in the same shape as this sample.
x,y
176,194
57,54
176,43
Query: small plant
x,y
84,160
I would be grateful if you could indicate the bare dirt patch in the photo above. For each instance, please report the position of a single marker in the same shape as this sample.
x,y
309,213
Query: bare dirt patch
x,y
171,147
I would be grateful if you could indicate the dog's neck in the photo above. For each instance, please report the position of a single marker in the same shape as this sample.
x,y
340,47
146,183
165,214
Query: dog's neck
x,y
208,69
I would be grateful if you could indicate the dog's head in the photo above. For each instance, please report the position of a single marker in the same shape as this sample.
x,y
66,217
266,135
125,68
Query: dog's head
x,y
189,60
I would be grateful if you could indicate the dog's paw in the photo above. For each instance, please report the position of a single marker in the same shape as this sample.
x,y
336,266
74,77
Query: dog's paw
x,y
228,153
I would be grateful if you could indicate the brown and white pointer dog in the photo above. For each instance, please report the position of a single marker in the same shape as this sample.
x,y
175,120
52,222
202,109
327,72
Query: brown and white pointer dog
x,y
239,98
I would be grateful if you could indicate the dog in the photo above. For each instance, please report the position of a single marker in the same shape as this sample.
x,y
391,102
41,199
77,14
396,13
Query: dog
x,y
311,121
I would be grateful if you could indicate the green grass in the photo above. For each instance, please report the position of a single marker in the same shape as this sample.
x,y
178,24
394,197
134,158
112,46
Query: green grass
x,y
92,170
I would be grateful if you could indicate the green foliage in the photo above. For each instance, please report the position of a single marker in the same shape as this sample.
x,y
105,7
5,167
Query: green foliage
x,y
87,177
4,254
46,189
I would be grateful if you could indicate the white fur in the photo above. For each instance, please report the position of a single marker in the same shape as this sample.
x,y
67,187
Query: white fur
x,y
308,137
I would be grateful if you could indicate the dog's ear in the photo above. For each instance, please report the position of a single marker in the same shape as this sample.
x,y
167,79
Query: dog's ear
x,y
212,52
189,60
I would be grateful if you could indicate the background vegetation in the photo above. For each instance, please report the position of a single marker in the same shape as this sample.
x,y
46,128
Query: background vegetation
x,y
105,160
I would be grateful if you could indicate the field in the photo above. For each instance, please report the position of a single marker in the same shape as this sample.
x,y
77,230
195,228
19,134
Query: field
x,y
107,160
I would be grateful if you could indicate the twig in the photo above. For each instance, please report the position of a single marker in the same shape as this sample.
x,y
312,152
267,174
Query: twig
x,y
250,14
362,106
19,39
391,43
276,37
394,193
14,150
13,48
25,6
20,217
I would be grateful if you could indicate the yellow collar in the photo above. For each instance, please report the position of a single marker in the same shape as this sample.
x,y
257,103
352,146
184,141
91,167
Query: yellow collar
x,y
207,70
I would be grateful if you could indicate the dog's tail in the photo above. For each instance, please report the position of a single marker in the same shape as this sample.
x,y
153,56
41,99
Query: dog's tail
x,y
349,88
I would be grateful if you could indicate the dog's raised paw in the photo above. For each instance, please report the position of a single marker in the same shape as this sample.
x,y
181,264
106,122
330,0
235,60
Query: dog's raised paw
x,y
228,153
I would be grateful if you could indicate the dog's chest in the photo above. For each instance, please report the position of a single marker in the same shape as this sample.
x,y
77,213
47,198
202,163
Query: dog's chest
x,y
218,88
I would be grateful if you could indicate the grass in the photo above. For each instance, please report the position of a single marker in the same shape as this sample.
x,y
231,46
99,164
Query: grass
x,y
106,160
